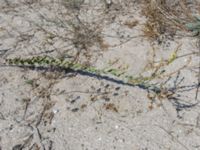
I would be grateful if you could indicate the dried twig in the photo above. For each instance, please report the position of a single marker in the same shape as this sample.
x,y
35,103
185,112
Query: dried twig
x,y
198,82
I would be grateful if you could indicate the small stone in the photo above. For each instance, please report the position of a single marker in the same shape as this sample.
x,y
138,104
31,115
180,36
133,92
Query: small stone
x,y
75,109
107,99
117,88
107,85
99,90
115,94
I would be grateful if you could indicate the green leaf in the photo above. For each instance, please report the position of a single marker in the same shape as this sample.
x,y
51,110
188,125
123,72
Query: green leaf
x,y
114,72
172,57
30,82
92,69
76,66
197,17
193,26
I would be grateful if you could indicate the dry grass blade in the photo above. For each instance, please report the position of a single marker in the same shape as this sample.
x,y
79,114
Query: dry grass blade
x,y
198,82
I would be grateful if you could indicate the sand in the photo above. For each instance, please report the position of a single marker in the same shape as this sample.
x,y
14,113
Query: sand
x,y
52,110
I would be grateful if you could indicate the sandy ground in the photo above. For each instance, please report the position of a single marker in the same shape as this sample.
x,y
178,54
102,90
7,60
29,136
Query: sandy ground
x,y
51,110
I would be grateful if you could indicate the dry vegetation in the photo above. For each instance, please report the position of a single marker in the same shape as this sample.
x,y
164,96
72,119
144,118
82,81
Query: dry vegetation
x,y
168,18
80,31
